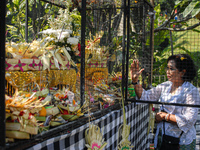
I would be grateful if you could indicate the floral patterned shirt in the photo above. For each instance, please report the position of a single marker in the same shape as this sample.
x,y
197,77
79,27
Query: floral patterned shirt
x,y
185,116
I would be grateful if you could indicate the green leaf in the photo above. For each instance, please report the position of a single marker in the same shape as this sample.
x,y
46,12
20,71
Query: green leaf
x,y
196,10
195,30
189,8
177,3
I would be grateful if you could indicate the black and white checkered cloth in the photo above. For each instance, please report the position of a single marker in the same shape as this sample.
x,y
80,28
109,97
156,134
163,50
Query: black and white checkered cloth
x,y
136,115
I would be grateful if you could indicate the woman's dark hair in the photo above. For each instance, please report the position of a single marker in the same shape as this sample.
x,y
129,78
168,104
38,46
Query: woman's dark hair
x,y
184,61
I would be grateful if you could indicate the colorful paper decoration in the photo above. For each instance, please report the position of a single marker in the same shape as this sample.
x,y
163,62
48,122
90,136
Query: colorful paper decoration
x,y
96,64
124,132
151,118
40,65
94,138
68,65
8,65
20,65
33,64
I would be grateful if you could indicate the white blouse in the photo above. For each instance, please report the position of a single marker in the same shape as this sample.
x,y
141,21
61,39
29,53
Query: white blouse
x,y
185,116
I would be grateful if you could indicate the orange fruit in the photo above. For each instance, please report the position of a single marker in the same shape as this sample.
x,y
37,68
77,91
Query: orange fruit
x,y
43,112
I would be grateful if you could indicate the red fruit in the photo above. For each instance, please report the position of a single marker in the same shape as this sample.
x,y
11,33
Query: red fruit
x,y
21,113
65,112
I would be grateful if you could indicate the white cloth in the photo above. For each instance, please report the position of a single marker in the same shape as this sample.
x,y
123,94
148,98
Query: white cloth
x,y
185,116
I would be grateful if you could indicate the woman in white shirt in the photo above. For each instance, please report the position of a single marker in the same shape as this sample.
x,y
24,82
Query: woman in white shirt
x,y
178,89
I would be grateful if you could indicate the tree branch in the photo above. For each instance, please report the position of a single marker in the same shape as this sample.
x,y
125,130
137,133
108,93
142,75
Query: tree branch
x,y
183,20
58,5
168,20
177,29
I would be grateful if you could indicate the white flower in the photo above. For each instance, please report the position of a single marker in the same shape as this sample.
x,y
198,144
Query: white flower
x,y
66,34
48,31
69,31
68,48
49,39
72,41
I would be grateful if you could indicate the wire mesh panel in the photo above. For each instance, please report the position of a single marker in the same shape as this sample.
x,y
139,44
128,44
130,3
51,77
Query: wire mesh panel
x,y
56,58
103,51
175,76
111,30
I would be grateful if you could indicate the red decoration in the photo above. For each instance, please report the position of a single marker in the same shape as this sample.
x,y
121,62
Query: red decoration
x,y
33,64
40,64
90,64
96,64
20,65
8,65
68,65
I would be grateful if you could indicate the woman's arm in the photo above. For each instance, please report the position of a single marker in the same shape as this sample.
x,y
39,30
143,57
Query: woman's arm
x,y
160,116
150,95
188,117
135,73
138,90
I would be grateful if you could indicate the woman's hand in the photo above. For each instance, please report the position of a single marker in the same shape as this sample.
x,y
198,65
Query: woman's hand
x,y
135,72
160,116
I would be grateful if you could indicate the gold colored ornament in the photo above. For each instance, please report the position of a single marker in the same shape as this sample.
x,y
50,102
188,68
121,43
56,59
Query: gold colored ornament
x,y
94,138
124,132
151,118
64,77
20,79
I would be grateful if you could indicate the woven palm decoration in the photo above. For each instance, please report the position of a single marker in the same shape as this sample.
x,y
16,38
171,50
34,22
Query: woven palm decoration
x,y
123,132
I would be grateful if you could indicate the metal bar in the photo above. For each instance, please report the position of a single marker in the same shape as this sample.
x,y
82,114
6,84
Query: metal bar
x,y
145,1
156,102
123,49
143,43
151,44
110,65
171,41
127,48
83,29
101,8
2,72
61,6
26,22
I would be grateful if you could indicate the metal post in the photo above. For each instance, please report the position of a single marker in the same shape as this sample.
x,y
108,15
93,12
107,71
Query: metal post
x,y
124,48
171,41
127,47
83,26
144,51
26,23
2,73
152,44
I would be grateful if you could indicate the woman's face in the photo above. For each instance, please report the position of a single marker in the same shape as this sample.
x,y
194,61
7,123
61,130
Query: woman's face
x,y
173,74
